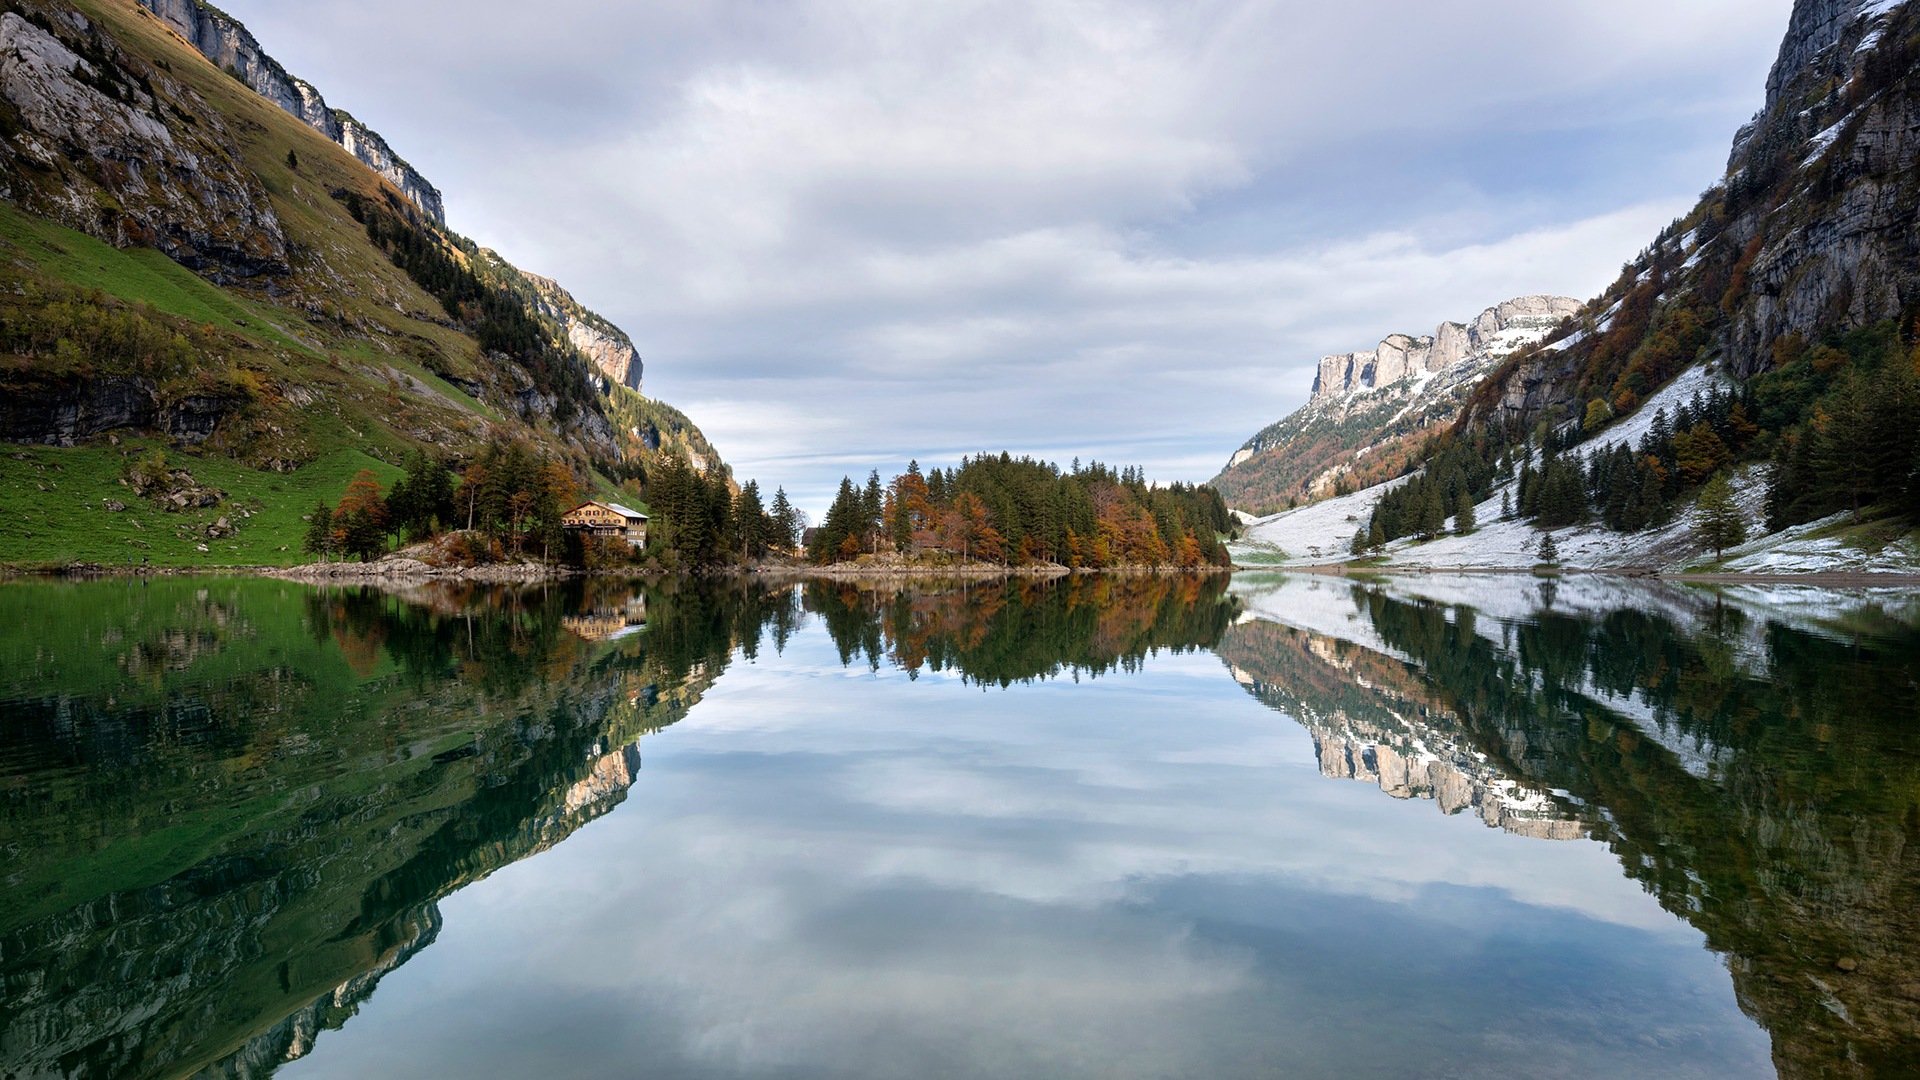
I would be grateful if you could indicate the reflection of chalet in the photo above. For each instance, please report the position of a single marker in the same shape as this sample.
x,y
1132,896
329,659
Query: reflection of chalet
x,y
609,520
608,623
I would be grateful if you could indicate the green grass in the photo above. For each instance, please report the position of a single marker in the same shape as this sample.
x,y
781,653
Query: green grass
x,y
52,512
140,275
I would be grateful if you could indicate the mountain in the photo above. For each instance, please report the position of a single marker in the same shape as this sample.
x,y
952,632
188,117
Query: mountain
x,y
199,258
1768,339
221,39
1369,410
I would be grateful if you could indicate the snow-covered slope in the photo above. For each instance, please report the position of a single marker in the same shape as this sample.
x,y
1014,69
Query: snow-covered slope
x,y
1322,534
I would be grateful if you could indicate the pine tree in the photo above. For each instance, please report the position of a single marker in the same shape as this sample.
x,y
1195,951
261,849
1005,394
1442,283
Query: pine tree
x,y
319,538
1717,521
1433,514
1506,506
786,521
1549,550
1463,520
293,161
1359,545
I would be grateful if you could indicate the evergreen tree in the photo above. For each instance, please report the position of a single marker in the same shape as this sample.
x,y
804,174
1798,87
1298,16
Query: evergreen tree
x,y
786,521
1463,520
1549,550
293,161
1717,521
319,536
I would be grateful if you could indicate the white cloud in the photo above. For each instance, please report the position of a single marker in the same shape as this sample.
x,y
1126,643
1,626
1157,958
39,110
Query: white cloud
x,y
855,228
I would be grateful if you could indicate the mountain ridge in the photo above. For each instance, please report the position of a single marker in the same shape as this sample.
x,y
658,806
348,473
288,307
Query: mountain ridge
x,y
1375,405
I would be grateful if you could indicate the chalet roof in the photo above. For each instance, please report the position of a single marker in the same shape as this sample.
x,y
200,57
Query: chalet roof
x,y
625,512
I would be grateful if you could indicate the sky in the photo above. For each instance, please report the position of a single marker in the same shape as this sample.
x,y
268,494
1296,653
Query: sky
x,y
847,233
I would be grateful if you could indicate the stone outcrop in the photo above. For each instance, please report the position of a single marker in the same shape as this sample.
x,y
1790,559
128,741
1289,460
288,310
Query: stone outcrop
x,y
66,414
1496,332
101,146
231,47
611,351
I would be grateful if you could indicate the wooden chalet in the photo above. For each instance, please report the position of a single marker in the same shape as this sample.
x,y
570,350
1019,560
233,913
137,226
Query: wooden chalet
x,y
609,520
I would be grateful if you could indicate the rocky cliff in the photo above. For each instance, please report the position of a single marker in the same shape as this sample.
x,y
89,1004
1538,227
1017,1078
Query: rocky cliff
x,y
230,46
1369,408
107,144
609,348
1497,332
1814,231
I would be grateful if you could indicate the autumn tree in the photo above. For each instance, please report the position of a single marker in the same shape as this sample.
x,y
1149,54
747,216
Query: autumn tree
x,y
360,521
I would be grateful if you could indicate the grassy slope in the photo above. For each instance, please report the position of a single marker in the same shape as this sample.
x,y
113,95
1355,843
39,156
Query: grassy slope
x,y
51,508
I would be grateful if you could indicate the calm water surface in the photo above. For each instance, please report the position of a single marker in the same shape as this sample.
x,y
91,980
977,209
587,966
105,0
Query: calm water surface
x,y
1289,827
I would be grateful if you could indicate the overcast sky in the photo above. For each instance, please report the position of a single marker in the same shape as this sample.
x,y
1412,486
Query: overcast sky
x,y
849,232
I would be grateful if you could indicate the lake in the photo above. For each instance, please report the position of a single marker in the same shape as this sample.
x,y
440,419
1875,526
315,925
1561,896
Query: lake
x,y
1289,826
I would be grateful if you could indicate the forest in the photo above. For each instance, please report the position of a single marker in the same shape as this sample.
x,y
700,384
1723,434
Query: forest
x,y
1837,422
1011,511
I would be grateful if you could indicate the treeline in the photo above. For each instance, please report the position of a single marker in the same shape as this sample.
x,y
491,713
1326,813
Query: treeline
x,y
499,319
699,522
1024,512
1628,488
508,500
1858,442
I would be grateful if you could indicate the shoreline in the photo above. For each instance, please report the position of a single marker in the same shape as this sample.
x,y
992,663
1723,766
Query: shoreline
x,y
1824,578
411,571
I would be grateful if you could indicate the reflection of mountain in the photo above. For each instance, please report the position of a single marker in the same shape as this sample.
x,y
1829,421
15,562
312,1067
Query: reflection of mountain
x,y
217,853
1760,779
1372,721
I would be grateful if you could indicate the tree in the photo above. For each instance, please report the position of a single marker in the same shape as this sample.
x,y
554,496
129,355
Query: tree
x,y
1717,521
1549,550
1360,543
786,521
293,161
1463,521
360,521
319,538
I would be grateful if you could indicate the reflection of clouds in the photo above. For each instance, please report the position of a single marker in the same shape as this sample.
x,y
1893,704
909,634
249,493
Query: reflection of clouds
x,y
819,878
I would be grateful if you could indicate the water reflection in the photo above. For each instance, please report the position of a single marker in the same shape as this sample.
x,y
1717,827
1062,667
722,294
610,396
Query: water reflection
x,y
1752,758
232,810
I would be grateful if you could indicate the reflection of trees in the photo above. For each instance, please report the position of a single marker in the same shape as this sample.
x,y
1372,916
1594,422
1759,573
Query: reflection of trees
x,y
1761,782
209,873
1005,631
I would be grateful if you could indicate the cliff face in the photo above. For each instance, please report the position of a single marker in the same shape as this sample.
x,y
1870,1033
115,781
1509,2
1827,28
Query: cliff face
x,y
609,348
1815,229
108,145
231,47
1498,331
1368,408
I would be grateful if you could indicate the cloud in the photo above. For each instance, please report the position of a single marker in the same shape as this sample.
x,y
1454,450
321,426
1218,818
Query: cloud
x,y
846,232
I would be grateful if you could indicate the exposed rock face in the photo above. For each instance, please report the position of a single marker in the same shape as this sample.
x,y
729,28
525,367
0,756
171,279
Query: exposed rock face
x,y
1817,227
143,176
609,348
1366,404
1497,331
1841,248
231,47
69,413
